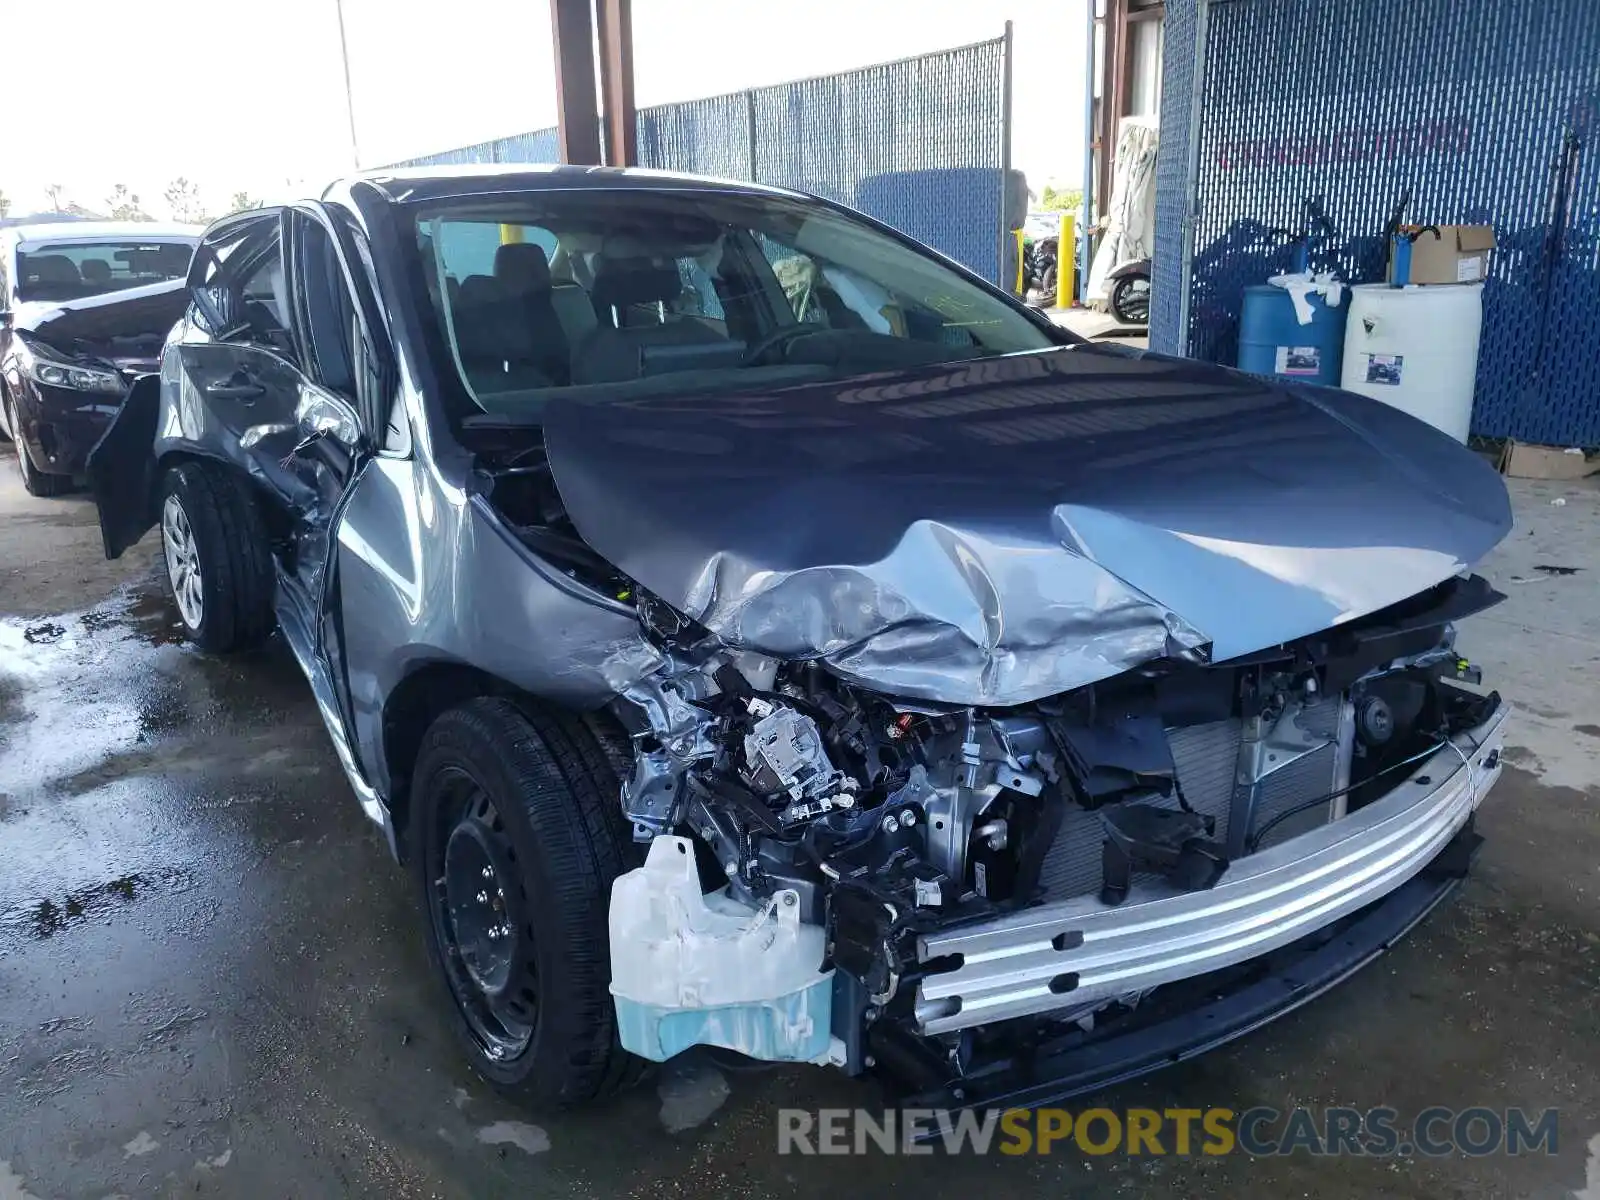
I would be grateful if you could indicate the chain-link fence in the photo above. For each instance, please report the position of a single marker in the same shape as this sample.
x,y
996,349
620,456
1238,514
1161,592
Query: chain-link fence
x,y
921,144
540,146
1484,113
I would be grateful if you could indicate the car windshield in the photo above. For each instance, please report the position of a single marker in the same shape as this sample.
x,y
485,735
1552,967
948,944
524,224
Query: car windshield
x,y
596,294
72,270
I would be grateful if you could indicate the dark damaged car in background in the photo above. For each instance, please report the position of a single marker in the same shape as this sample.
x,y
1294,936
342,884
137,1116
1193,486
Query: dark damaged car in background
x,y
84,308
753,630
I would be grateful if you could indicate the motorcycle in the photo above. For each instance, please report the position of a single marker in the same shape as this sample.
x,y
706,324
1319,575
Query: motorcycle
x,y
1039,268
1130,292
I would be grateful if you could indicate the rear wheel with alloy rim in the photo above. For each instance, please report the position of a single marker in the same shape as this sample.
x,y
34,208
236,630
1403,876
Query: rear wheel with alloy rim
x,y
183,563
515,837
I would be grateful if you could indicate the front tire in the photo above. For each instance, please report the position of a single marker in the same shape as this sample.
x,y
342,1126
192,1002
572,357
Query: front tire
x,y
516,838
218,563
34,481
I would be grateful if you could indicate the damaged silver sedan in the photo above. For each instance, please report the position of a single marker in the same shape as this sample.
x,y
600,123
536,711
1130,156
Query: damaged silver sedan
x,y
752,630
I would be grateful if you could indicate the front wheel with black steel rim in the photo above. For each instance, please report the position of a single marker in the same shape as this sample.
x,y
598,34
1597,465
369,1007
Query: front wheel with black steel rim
x,y
515,839
1130,300
218,561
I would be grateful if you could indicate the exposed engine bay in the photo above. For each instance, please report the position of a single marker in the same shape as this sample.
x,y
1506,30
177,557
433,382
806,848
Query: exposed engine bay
x,y
885,821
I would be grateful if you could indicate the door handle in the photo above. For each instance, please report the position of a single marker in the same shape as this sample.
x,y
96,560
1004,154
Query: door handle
x,y
233,389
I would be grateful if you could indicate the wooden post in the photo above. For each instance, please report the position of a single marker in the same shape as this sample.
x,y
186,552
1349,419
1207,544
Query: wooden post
x,y
616,82
577,107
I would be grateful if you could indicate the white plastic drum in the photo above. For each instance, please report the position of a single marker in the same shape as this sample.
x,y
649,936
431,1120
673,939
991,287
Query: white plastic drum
x,y
1416,348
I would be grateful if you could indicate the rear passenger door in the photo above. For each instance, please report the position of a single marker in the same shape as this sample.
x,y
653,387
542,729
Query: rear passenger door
x,y
233,375
246,372
227,386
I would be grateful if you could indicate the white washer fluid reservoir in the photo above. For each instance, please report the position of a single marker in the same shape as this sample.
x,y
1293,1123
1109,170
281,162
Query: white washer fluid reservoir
x,y
693,969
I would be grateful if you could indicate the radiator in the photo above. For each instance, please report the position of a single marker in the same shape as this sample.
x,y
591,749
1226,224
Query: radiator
x,y
1206,757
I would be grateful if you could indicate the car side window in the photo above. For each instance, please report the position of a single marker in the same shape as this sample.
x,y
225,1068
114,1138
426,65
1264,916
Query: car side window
x,y
264,303
327,309
238,290
245,289
339,323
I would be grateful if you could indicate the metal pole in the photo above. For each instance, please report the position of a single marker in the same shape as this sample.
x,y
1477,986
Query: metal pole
x,y
616,82
1191,208
1005,157
1113,93
750,130
349,95
1087,208
577,106
1066,262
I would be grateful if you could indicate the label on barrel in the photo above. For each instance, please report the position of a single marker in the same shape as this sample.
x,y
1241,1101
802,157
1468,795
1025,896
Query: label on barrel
x,y
1385,369
1298,360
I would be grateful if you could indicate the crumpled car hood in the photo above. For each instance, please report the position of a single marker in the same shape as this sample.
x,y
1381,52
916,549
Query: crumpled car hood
x,y
125,328
997,531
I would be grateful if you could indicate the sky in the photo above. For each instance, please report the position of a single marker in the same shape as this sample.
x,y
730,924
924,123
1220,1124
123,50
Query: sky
x,y
246,95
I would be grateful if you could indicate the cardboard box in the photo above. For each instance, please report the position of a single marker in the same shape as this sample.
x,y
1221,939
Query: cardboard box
x,y
1456,254
1521,460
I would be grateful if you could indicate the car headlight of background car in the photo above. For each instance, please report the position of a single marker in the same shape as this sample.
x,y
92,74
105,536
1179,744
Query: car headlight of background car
x,y
52,371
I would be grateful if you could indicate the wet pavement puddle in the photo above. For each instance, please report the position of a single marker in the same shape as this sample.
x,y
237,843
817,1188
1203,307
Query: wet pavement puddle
x,y
49,916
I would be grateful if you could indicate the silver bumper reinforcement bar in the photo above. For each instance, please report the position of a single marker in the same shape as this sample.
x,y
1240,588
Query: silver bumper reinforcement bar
x,y
1079,951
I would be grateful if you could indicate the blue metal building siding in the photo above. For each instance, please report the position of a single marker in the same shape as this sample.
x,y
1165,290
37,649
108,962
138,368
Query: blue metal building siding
x,y
1468,103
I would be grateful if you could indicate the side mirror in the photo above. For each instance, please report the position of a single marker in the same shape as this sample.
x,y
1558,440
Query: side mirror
x,y
319,415
205,300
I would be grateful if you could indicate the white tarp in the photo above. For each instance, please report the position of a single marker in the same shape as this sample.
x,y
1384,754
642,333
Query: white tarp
x,y
1131,222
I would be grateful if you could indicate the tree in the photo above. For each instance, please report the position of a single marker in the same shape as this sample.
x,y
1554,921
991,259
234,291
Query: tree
x,y
183,198
1062,199
242,202
5,206
55,191
125,206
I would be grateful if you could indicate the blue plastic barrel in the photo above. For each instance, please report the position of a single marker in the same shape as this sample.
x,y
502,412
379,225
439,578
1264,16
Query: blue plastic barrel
x,y
1273,342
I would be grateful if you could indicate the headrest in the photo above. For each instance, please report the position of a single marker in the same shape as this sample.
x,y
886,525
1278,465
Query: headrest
x,y
51,268
522,267
96,270
478,291
619,282
487,327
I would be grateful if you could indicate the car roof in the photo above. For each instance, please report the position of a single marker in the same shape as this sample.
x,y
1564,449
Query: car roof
x,y
403,185
100,231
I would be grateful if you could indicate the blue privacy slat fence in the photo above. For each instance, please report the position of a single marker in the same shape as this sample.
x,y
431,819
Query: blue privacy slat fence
x,y
537,147
1467,103
919,144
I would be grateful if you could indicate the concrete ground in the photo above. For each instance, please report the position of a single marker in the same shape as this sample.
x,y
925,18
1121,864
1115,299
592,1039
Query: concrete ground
x,y
212,979
1098,326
